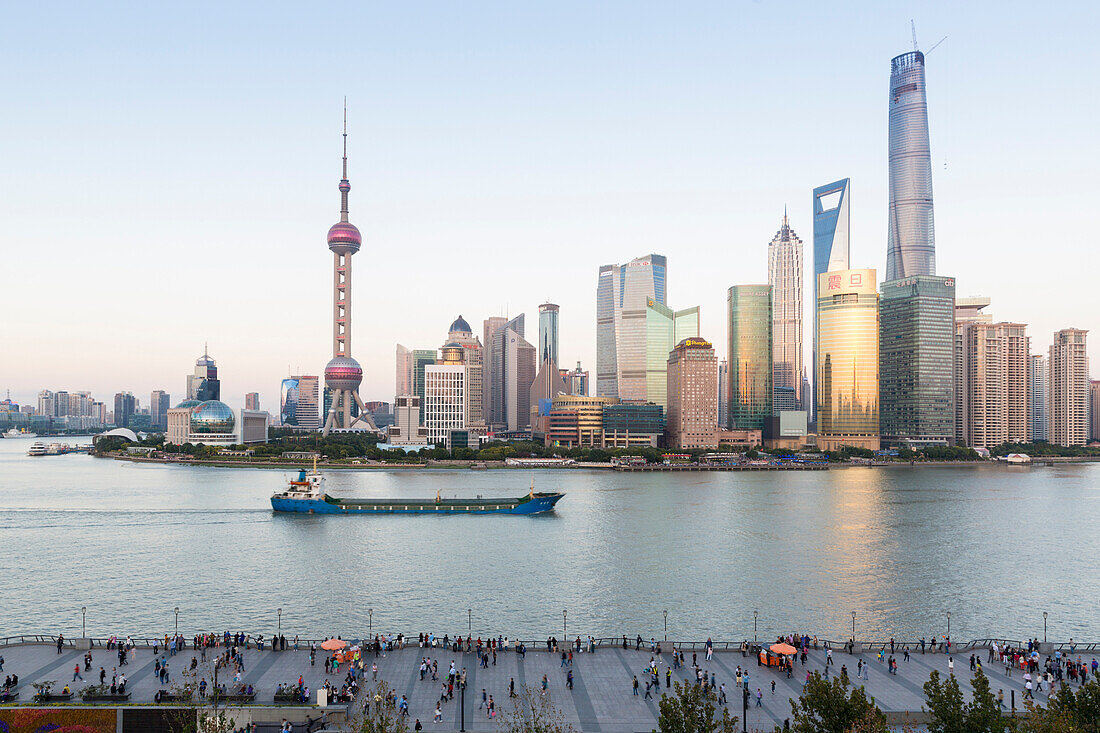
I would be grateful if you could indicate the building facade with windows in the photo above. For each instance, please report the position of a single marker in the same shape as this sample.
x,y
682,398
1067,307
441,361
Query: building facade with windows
x,y
785,279
749,356
847,360
692,418
622,292
917,361
1069,387
664,329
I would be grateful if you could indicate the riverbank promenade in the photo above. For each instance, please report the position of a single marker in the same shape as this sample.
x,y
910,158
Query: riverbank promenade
x,y
601,698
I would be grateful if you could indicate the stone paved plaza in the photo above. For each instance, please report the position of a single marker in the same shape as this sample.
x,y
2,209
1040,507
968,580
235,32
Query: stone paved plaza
x,y
601,700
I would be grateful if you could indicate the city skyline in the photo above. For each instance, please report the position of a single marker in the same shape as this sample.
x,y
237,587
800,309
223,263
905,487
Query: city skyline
x,y
651,191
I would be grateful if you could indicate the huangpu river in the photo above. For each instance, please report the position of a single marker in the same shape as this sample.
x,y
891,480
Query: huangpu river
x,y
902,547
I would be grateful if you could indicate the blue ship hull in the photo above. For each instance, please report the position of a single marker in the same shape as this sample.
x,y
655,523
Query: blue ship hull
x,y
537,504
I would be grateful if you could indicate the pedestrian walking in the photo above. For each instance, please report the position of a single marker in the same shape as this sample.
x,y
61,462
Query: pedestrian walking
x,y
635,685
759,698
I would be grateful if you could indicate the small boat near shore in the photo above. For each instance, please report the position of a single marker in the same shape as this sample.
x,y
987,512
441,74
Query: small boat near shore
x,y
17,433
306,495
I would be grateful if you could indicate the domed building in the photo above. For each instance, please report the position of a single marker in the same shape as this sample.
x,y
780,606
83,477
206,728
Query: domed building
x,y
212,422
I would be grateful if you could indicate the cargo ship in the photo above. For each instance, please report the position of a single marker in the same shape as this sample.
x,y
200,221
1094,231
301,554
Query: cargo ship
x,y
306,495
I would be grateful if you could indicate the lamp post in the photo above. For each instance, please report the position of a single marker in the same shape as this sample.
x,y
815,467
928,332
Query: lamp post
x,y
745,709
1044,627
84,626
370,619
666,624
949,625
470,620
853,626
754,615
177,620
564,623
280,612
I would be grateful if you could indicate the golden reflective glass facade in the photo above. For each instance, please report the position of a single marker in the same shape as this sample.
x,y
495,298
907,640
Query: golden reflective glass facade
x,y
847,359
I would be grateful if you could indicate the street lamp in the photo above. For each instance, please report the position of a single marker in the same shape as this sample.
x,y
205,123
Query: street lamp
x,y
177,620
853,626
370,619
280,612
470,619
949,625
754,615
84,618
666,624
1044,627
564,624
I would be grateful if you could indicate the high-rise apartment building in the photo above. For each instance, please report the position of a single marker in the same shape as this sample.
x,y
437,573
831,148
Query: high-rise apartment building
x,y
692,416
846,383
993,383
664,328
723,393
548,333
203,384
1069,387
1094,410
911,247
917,360
1038,375
1017,346
785,279
124,409
445,395
47,406
252,401
832,226
159,404
749,343
621,296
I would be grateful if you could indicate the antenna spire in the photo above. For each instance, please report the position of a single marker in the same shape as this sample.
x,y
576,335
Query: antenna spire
x,y
345,184
913,26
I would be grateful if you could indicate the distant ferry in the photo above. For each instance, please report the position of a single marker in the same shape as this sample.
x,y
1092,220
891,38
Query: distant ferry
x,y
55,449
16,433
305,495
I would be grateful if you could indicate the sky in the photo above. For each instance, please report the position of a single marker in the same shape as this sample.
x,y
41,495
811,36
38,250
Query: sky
x,y
170,170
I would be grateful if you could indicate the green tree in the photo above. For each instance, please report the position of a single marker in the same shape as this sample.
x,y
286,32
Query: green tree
x,y
826,706
1067,711
949,713
693,709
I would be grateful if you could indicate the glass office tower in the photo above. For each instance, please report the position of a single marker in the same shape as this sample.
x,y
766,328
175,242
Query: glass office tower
x,y
749,368
911,246
847,360
664,328
621,296
548,333
831,241
917,361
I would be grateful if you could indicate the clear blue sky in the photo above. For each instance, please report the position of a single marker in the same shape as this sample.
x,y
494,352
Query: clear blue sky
x,y
169,172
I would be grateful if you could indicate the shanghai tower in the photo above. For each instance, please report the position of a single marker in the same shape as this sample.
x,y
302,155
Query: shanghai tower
x,y
911,249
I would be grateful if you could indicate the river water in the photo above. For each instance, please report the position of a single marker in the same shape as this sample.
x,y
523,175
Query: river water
x,y
995,546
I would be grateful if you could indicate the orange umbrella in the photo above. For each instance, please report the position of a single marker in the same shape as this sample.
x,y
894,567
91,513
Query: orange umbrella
x,y
783,649
333,644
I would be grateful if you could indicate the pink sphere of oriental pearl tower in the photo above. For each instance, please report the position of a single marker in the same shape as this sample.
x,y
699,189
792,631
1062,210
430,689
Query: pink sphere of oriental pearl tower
x,y
343,375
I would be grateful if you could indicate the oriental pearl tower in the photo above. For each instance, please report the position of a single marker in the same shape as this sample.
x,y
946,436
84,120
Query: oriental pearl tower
x,y
343,374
